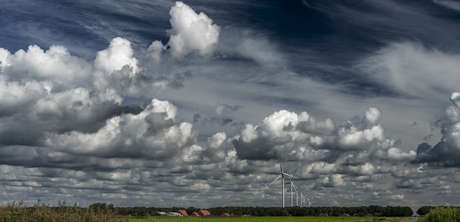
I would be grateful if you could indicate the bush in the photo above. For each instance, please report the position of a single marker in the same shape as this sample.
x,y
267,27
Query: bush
x,y
43,213
441,214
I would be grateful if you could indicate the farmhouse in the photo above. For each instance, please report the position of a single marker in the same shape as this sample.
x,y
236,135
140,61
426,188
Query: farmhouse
x,y
194,214
204,213
183,212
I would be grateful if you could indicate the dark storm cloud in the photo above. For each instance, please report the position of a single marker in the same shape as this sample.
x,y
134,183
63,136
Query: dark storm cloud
x,y
442,154
258,149
445,153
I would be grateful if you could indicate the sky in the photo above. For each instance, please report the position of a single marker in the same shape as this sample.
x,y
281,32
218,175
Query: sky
x,y
195,103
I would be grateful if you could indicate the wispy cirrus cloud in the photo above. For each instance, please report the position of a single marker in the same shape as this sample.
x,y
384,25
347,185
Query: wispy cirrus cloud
x,y
448,4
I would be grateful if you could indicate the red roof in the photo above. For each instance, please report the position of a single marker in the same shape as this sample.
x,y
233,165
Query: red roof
x,y
204,213
194,214
183,212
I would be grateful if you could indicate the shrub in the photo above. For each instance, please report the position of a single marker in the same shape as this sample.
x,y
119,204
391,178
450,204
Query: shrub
x,y
441,214
43,213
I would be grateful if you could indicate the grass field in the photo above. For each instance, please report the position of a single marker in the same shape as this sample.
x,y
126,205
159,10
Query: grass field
x,y
271,219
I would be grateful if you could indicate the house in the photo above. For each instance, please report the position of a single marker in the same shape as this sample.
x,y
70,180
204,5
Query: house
x,y
173,214
225,215
323,215
183,213
194,214
369,215
204,213
158,213
344,215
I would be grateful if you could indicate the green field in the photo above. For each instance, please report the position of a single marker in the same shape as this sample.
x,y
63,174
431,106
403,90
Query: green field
x,y
271,219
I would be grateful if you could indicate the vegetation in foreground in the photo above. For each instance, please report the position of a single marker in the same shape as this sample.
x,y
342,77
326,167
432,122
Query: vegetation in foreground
x,y
41,212
441,214
378,211
17,211
271,219
426,209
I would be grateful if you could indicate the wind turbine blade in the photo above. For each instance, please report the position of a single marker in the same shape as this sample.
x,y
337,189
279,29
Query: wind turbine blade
x,y
281,166
293,175
274,180
295,187
289,175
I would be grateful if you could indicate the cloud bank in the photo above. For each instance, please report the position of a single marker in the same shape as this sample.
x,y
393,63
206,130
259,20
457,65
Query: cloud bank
x,y
98,131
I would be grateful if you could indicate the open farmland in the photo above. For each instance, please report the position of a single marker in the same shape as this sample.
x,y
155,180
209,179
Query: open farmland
x,y
272,219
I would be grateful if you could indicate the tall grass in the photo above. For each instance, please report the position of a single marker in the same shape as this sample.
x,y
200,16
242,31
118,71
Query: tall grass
x,y
40,212
441,214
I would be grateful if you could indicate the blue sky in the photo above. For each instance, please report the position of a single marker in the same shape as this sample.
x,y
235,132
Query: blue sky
x,y
157,102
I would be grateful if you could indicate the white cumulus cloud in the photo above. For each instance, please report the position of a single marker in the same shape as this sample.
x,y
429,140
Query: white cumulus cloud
x,y
191,32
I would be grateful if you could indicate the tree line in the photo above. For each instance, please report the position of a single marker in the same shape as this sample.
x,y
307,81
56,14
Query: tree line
x,y
388,211
424,210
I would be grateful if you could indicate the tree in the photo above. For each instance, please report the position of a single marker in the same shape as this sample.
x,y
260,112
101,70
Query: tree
x,y
424,210
190,210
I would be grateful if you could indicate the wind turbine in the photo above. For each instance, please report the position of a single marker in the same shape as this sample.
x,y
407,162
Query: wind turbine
x,y
292,186
296,193
308,201
302,198
282,177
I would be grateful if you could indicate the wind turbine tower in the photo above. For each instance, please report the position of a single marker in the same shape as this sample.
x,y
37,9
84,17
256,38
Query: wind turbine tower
x,y
301,199
291,183
282,174
296,197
